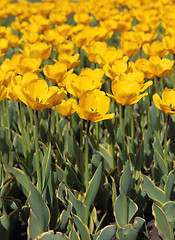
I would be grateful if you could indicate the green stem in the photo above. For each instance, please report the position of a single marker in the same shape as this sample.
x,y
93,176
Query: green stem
x,y
87,156
72,126
22,130
8,118
37,152
31,120
49,127
87,168
158,122
165,139
132,126
121,116
57,126
97,133
81,139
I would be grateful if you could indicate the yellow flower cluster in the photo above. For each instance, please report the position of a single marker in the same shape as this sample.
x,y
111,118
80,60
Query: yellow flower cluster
x,y
50,42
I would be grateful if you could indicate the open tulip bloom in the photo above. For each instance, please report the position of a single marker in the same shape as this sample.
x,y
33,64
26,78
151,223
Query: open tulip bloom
x,y
93,105
167,103
127,92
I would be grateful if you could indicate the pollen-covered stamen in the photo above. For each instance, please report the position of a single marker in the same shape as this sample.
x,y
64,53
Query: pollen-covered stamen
x,y
92,109
172,107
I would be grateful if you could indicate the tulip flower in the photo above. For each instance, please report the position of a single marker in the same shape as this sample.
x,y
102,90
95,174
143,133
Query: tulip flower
x,y
127,92
37,50
167,103
93,105
65,108
55,73
160,67
37,95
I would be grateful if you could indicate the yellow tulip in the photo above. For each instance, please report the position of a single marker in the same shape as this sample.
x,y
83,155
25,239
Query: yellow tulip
x,y
70,61
38,95
3,91
87,80
167,103
65,108
155,49
127,92
25,64
118,67
160,67
37,50
55,73
93,105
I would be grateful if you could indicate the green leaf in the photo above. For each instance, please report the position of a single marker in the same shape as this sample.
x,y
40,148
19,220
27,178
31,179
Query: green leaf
x,y
124,210
73,175
39,208
4,227
93,187
74,235
82,228
169,210
78,207
46,167
159,157
80,163
169,185
152,191
162,223
51,235
125,182
107,233
130,232
21,177
64,218
105,153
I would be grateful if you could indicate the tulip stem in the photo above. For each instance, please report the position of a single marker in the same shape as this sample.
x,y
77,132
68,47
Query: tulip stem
x,y
37,152
121,115
31,120
165,139
8,118
87,167
22,130
87,155
97,133
132,126
49,127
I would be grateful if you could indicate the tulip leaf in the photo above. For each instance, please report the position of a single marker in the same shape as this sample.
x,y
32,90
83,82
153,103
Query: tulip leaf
x,y
107,233
125,182
33,226
93,187
46,167
79,161
51,235
74,235
39,208
159,157
124,210
169,210
152,191
162,223
82,228
73,175
4,227
21,177
169,185
77,206
105,153
64,218
130,231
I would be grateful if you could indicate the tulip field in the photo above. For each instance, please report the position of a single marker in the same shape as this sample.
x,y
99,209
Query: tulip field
x,y
87,120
